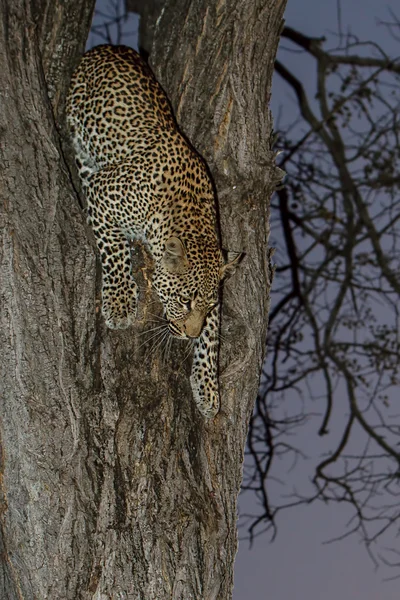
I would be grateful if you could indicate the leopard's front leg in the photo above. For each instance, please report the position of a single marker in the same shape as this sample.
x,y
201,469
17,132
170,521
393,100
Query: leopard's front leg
x,y
204,376
119,290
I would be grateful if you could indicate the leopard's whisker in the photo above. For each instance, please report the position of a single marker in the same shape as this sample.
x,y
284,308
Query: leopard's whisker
x,y
188,351
153,338
153,346
169,345
148,331
160,341
221,336
165,350
157,335
158,317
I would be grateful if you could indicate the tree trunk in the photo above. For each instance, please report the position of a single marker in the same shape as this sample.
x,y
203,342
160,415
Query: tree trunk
x,y
112,484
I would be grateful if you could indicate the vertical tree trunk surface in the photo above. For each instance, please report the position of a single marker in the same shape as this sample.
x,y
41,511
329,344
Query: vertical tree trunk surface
x,y
112,484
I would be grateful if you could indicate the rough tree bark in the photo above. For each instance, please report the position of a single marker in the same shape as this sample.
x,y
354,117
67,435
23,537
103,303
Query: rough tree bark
x,y
112,485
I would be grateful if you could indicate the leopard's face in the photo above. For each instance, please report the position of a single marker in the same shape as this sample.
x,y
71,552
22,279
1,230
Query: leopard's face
x,y
190,291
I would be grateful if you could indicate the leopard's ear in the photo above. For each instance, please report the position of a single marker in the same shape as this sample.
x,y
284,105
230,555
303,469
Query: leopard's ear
x,y
174,258
232,262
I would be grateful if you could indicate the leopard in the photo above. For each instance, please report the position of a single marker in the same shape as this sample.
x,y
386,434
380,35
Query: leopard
x,y
143,180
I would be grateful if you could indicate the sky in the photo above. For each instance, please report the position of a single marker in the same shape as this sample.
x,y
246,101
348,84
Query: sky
x,y
300,564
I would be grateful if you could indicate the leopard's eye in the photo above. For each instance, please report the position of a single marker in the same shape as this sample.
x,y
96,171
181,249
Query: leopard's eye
x,y
186,302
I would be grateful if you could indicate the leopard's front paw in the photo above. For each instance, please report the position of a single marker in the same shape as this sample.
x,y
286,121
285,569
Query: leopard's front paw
x,y
118,320
206,396
119,309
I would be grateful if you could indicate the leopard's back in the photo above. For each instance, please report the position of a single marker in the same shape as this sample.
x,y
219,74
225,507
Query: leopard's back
x,y
116,108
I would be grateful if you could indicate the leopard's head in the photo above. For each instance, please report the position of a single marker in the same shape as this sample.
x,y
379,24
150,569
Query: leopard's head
x,y
187,280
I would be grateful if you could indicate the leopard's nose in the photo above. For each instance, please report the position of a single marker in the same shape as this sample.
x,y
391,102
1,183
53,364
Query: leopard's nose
x,y
193,324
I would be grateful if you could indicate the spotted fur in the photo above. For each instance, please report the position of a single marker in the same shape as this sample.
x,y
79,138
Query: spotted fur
x,y
143,180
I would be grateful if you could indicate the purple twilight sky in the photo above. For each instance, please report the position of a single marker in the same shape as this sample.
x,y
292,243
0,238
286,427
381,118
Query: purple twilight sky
x,y
298,565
